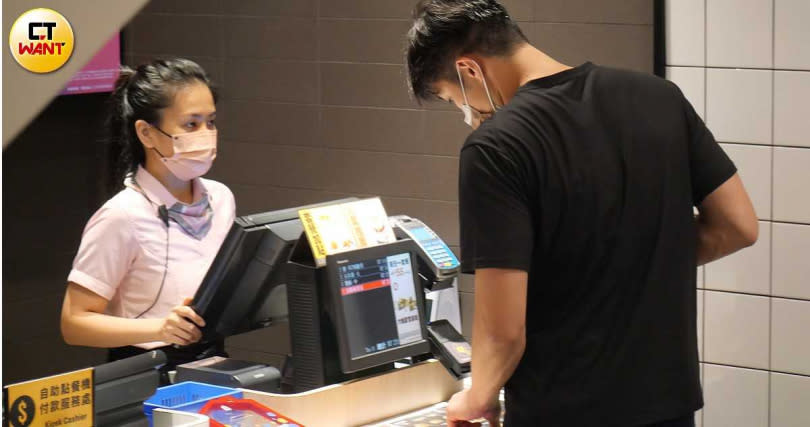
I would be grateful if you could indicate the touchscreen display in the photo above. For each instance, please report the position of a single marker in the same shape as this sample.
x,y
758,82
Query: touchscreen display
x,y
421,234
379,304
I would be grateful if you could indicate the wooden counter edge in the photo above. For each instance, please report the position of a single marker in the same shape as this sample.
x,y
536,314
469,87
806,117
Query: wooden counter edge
x,y
365,401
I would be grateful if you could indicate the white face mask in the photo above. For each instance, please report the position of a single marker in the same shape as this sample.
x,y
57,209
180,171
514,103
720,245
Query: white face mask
x,y
194,153
473,117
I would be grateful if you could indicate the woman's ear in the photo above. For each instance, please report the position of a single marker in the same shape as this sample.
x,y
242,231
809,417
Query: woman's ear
x,y
145,133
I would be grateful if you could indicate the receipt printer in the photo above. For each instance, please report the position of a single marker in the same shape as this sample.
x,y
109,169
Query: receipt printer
x,y
231,373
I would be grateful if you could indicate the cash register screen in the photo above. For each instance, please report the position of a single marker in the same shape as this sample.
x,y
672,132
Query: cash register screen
x,y
380,304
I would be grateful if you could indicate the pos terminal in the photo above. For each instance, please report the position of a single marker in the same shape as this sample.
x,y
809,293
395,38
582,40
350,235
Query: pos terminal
x,y
353,317
438,266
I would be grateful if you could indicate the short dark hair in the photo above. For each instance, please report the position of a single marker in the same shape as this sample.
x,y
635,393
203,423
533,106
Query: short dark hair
x,y
445,29
142,94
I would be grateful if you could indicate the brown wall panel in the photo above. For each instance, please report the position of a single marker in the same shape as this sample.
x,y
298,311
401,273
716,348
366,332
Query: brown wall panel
x,y
373,129
269,123
196,7
258,37
362,41
288,8
366,9
638,12
445,132
255,199
371,85
520,10
624,46
271,80
164,34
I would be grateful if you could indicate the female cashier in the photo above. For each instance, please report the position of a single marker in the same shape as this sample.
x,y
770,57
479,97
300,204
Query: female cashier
x,y
146,250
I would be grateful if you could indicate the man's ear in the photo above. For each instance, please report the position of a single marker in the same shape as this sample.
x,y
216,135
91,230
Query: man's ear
x,y
469,67
145,133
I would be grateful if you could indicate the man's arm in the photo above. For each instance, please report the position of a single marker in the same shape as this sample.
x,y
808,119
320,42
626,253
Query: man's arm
x,y
726,222
499,339
499,329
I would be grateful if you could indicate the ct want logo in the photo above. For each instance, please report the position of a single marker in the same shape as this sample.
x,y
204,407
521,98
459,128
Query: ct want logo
x,y
41,40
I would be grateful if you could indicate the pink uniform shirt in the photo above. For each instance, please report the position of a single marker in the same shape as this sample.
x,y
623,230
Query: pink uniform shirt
x,y
123,249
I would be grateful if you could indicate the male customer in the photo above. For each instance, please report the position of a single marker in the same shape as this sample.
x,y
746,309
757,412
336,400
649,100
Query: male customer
x,y
576,196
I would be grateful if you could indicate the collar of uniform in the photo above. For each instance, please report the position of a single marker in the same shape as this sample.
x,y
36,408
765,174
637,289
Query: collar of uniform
x,y
147,184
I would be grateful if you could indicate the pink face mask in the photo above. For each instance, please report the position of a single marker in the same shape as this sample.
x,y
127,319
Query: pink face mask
x,y
194,153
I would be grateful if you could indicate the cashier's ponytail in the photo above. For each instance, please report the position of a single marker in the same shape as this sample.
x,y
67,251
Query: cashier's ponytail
x,y
142,94
123,155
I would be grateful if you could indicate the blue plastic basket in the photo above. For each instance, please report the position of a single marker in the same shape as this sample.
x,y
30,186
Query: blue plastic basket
x,y
187,396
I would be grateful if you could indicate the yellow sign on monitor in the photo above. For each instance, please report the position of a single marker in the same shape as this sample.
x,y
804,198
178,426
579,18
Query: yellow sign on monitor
x,y
348,226
60,400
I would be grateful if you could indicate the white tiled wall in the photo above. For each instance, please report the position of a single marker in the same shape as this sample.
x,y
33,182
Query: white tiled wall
x,y
747,271
790,274
700,305
738,105
790,335
735,397
791,50
739,33
791,102
692,82
791,184
745,67
686,42
754,166
789,397
736,329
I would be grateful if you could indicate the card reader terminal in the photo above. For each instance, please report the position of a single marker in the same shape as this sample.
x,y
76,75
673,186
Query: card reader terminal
x,y
441,261
450,347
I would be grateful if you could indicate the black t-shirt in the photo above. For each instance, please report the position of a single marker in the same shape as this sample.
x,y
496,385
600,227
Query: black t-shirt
x,y
587,180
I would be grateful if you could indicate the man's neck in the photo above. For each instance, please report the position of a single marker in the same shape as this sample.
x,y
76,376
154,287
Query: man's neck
x,y
526,64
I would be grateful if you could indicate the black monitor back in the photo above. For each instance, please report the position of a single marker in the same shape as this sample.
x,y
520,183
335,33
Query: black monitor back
x,y
244,287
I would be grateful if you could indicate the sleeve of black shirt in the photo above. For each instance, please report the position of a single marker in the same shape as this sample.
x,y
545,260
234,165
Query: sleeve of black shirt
x,y
709,165
495,219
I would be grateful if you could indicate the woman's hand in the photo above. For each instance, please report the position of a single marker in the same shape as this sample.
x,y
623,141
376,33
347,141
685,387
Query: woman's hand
x,y
182,325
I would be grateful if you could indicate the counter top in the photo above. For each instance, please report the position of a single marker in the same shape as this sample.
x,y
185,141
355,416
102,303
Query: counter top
x,y
368,400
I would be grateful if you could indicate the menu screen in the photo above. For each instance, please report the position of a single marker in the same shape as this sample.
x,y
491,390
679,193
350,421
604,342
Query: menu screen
x,y
379,304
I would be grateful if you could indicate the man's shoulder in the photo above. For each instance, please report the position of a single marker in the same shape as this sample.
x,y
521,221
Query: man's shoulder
x,y
622,80
487,138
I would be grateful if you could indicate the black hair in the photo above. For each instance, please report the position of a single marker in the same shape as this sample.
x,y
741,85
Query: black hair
x,y
141,94
445,29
